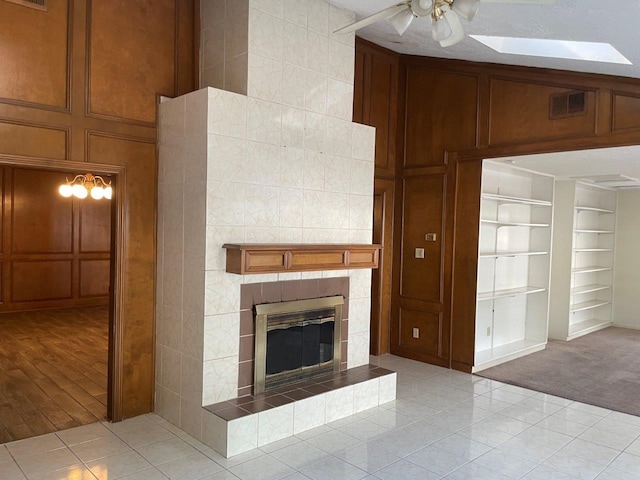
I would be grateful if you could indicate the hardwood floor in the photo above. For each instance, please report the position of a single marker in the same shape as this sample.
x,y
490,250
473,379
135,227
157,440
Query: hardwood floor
x,y
53,370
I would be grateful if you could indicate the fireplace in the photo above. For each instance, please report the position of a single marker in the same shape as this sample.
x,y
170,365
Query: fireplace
x,y
296,340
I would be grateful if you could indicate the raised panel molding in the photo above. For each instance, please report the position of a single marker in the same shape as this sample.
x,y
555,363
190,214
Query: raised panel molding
x,y
41,219
36,60
33,281
421,330
519,113
423,212
438,119
625,112
94,278
33,140
137,63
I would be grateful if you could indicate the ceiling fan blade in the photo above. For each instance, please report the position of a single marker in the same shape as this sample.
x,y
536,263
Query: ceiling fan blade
x,y
381,15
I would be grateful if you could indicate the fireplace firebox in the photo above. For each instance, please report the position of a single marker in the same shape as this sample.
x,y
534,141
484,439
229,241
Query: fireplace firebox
x,y
296,340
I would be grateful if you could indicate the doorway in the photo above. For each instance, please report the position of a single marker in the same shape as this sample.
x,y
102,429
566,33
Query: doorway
x,y
58,352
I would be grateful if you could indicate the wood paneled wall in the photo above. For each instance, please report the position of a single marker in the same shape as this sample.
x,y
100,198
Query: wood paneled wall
x,y
80,84
452,114
54,250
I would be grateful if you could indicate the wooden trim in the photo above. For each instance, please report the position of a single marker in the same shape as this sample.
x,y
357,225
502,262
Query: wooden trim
x,y
250,258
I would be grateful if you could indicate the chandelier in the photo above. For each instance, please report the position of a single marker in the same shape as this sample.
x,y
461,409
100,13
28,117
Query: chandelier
x,y
88,184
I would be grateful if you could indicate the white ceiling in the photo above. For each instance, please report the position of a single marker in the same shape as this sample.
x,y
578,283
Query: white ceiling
x,y
585,164
613,21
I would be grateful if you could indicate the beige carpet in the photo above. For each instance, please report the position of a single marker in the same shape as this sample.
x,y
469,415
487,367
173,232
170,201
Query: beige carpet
x,y
602,369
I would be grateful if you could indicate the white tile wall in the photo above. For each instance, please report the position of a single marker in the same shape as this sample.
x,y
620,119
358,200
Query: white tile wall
x,y
282,164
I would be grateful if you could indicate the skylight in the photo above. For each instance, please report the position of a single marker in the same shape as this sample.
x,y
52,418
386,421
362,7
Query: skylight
x,y
537,47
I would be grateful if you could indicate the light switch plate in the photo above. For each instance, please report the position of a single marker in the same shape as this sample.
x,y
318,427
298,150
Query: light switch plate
x,y
416,332
419,252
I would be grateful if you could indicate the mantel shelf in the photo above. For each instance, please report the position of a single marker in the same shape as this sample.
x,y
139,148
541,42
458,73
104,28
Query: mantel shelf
x,y
251,258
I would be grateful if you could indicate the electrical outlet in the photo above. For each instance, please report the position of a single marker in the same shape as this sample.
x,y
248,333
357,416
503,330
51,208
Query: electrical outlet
x,y
488,331
416,332
419,252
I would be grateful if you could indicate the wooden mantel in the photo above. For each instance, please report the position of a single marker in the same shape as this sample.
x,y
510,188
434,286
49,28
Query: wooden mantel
x,y
249,258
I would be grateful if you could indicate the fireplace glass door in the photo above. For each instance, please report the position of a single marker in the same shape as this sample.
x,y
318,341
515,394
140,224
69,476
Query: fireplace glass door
x,y
300,342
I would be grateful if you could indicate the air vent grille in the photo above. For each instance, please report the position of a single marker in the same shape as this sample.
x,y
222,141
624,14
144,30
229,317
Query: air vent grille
x,y
567,104
36,4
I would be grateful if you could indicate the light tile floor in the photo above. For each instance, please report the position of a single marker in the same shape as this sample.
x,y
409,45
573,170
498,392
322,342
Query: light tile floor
x,y
444,424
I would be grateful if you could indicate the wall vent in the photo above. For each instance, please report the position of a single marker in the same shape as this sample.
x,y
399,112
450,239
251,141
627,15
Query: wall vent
x,y
567,104
41,5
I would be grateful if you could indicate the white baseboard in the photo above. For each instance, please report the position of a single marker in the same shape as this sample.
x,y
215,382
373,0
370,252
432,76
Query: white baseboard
x,y
623,325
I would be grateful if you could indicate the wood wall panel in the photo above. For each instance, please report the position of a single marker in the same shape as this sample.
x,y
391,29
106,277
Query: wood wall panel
x,y
626,112
95,226
42,220
94,278
35,69
32,140
440,114
429,328
382,112
421,277
383,198
37,281
138,63
519,112
139,156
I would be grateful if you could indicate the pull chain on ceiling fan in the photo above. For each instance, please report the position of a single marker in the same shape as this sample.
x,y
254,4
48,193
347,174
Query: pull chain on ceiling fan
x,y
445,18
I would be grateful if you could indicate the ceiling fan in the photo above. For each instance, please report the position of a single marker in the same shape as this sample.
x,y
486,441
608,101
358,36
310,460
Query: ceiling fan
x,y
446,27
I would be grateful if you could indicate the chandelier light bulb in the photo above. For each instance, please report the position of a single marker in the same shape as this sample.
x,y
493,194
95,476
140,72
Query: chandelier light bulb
x,y
97,193
108,192
402,20
79,191
65,190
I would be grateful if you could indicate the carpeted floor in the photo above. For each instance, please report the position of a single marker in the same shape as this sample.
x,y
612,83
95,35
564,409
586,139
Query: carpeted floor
x,y
602,369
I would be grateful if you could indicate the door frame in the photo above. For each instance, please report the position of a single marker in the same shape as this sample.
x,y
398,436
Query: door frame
x,y
116,299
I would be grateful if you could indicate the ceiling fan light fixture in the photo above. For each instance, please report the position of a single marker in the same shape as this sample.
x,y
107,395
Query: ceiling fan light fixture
x,y
467,9
457,32
440,28
402,20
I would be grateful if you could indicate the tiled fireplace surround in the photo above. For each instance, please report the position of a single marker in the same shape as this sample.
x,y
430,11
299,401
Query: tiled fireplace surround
x,y
275,160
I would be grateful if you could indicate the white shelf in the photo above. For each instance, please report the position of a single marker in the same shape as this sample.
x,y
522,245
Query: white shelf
x,y
594,231
589,289
591,304
510,351
516,200
593,249
514,224
594,268
587,326
511,254
509,292
593,209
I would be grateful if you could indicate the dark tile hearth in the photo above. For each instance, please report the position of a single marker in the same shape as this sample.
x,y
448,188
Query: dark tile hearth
x,y
252,404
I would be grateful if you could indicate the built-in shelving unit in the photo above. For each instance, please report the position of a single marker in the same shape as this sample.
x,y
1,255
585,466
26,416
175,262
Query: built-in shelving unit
x,y
582,282
513,264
